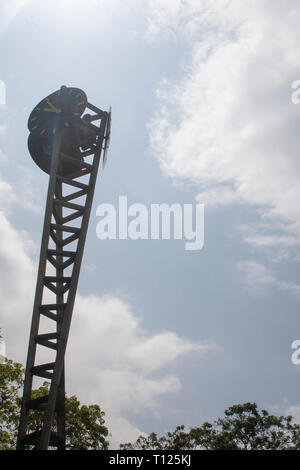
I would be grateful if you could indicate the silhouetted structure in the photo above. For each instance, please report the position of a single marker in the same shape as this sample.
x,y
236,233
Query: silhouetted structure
x,y
67,145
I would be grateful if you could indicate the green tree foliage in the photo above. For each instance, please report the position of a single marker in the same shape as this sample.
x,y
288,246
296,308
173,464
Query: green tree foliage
x,y
85,427
11,380
243,427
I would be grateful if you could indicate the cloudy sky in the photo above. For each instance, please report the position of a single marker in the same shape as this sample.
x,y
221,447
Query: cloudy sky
x,y
201,93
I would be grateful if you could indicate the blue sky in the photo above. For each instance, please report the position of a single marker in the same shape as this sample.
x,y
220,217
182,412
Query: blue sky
x,y
202,112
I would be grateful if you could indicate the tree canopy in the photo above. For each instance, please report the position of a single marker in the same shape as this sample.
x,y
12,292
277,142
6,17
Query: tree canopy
x,y
85,427
85,424
243,427
11,381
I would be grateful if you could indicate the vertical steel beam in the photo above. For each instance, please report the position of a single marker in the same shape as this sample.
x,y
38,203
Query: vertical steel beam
x,y
60,401
38,294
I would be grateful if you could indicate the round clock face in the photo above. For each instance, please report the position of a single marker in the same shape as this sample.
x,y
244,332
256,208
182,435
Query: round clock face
x,y
58,109
41,150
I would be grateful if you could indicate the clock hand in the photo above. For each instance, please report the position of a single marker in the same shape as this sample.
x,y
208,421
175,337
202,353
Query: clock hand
x,y
49,103
52,106
51,110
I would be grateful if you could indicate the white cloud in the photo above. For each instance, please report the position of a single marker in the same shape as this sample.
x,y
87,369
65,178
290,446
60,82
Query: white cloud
x,y
23,191
16,288
114,362
164,17
230,125
280,241
223,195
256,277
111,360
7,196
291,287
2,350
293,411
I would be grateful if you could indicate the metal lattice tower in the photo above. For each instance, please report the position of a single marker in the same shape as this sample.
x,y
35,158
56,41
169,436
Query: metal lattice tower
x,y
70,194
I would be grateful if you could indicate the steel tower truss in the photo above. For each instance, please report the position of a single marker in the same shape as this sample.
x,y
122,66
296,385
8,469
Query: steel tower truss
x,y
66,221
